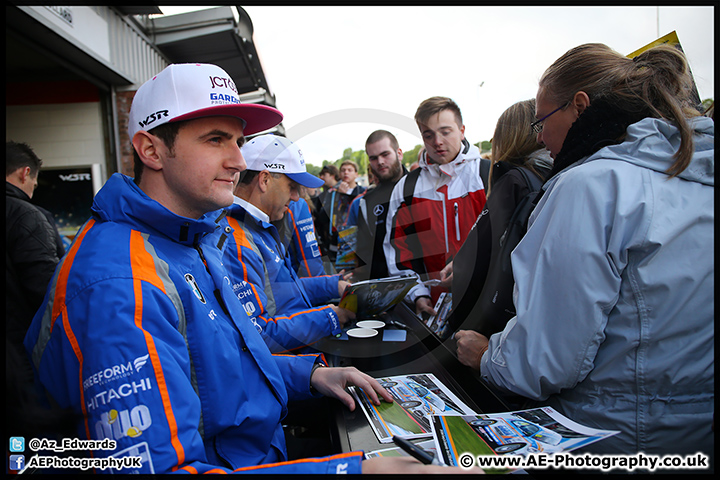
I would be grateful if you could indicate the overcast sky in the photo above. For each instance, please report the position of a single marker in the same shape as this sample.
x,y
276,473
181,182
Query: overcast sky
x,y
338,73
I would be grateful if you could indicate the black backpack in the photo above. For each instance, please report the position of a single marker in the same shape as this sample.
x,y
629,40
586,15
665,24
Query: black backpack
x,y
494,307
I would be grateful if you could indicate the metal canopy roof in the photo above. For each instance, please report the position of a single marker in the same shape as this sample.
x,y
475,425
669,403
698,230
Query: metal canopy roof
x,y
216,36
213,36
138,10
222,36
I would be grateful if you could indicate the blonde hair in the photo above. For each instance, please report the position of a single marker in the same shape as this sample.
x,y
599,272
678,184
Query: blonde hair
x,y
351,163
656,83
433,105
514,140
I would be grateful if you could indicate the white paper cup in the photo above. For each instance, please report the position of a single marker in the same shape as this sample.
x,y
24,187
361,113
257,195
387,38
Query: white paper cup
x,y
362,332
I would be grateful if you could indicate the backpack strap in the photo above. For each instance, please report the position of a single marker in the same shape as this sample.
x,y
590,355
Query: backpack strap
x,y
411,180
484,171
526,205
532,181
332,208
409,186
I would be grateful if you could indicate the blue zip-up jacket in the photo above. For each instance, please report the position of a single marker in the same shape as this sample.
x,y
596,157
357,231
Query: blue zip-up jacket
x,y
143,336
614,293
298,237
354,210
288,316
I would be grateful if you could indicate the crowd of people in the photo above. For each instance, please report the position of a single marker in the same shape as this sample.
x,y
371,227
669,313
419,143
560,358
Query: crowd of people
x,y
200,285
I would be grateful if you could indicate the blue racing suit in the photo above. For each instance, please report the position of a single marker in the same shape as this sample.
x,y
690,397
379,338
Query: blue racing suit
x,y
142,335
288,317
297,232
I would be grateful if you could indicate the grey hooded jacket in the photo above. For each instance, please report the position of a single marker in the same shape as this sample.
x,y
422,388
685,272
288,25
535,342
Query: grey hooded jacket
x,y
615,296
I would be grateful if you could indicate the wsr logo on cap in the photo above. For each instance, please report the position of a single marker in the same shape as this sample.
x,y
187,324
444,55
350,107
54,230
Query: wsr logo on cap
x,y
185,91
278,155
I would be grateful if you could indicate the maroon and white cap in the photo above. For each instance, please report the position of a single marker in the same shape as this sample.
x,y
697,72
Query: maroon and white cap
x,y
184,91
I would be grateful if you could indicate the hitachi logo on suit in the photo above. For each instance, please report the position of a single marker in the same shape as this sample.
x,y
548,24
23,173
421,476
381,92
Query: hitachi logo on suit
x,y
124,390
242,290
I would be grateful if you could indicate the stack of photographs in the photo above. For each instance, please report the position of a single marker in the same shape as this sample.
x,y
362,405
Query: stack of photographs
x,y
424,408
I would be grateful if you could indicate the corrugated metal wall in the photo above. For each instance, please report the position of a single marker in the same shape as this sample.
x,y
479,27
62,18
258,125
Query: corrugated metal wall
x,y
132,53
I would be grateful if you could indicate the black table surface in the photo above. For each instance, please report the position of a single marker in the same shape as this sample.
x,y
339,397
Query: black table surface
x,y
420,352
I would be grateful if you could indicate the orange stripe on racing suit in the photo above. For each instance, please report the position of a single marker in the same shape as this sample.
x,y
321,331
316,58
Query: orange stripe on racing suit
x,y
60,310
61,283
242,241
143,268
304,460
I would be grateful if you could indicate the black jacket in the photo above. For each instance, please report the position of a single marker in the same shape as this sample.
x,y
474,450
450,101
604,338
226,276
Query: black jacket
x,y
472,262
30,260
58,238
371,231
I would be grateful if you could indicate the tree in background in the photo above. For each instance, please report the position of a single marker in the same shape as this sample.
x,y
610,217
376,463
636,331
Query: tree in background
x,y
313,169
411,156
484,146
358,156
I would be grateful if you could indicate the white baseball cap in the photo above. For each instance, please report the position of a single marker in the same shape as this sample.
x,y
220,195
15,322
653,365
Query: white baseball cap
x,y
278,155
184,91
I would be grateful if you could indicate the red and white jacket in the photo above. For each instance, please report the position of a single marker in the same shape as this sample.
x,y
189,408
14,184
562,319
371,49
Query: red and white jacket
x,y
445,202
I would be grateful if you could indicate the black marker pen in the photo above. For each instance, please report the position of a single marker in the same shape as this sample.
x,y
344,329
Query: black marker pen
x,y
415,451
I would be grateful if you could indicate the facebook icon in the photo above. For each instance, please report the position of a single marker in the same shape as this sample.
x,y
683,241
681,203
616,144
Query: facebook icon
x,y
17,462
